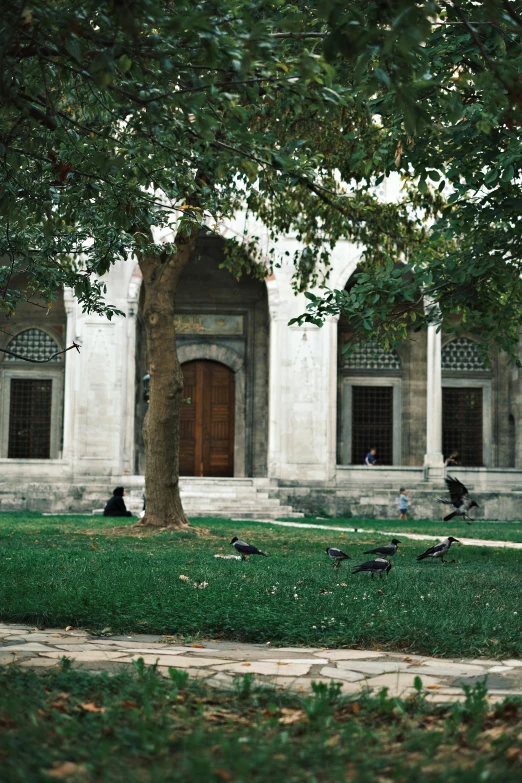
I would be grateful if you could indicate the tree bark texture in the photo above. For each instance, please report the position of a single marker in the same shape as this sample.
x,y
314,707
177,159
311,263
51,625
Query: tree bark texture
x,y
161,430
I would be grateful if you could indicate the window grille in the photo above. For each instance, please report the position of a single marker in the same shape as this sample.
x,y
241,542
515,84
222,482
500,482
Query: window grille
x,y
462,425
370,356
372,423
33,344
462,355
30,419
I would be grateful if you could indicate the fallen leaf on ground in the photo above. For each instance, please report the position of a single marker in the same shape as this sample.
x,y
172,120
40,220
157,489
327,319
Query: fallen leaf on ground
x,y
93,546
290,716
67,769
129,705
513,753
184,578
333,741
69,628
223,774
246,664
91,707
433,687
407,659
199,646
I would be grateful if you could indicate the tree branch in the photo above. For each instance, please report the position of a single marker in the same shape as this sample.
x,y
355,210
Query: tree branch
x,y
41,361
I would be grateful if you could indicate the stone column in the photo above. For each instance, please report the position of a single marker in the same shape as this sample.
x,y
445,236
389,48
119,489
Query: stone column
x,y
433,458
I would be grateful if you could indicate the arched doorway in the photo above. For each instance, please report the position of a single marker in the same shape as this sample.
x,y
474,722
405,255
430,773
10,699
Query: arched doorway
x,y
207,420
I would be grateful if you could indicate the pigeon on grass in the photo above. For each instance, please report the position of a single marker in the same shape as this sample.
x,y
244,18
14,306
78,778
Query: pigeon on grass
x,y
377,566
439,550
245,549
387,550
459,499
337,555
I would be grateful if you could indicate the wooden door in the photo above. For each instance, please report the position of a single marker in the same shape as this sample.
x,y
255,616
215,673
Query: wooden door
x,y
207,421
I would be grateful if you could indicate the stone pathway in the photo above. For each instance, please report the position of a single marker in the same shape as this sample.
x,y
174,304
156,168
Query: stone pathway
x,y
385,533
218,663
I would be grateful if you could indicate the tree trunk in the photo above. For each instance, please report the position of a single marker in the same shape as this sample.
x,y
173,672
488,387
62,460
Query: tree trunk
x,y
161,275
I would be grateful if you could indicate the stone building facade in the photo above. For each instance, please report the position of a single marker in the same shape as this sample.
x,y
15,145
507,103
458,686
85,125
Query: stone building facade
x,y
275,404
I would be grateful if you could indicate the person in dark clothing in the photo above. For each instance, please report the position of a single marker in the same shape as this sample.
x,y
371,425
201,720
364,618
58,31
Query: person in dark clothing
x,y
116,506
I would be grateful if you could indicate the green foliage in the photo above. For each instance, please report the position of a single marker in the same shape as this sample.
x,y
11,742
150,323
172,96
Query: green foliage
x,y
442,80
79,726
52,576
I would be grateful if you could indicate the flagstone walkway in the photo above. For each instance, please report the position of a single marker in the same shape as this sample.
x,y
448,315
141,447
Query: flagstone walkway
x,y
218,663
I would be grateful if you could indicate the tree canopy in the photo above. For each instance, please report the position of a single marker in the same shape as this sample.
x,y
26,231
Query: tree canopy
x,y
442,81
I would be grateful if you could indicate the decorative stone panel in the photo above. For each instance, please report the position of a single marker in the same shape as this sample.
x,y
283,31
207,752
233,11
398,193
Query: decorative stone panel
x,y
33,344
462,355
370,356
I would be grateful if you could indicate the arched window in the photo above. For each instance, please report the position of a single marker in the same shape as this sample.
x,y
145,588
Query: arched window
x,y
370,404
32,395
465,400
33,344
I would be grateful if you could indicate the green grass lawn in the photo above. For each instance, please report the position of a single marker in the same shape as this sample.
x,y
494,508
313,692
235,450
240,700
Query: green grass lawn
x,y
54,575
489,531
136,727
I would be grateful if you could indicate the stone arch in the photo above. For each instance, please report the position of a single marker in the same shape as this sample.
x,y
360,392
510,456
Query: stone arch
x,y
221,353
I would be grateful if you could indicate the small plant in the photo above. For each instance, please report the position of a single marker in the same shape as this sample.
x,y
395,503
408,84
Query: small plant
x,y
244,686
179,677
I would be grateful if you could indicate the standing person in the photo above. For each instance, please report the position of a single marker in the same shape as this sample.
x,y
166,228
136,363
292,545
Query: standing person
x,y
370,458
403,503
116,506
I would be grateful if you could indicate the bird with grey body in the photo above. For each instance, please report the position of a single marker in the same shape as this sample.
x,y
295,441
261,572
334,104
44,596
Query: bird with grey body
x,y
439,550
459,499
245,549
337,555
377,566
385,551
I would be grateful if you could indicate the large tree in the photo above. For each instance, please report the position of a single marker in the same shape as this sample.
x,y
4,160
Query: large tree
x,y
120,121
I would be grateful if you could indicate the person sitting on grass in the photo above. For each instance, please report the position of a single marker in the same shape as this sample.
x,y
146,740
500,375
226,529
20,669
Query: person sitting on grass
x,y
403,503
116,506
370,458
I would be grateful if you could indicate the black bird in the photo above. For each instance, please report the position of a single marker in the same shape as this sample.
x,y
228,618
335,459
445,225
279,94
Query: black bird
x,y
336,555
439,550
377,566
245,549
386,551
459,499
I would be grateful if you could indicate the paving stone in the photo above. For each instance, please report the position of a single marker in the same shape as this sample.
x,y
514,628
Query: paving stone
x,y
94,655
443,669
266,667
199,674
304,685
457,666
132,646
38,663
493,682
300,649
29,647
499,669
511,662
349,655
311,661
341,674
176,661
372,667
398,682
